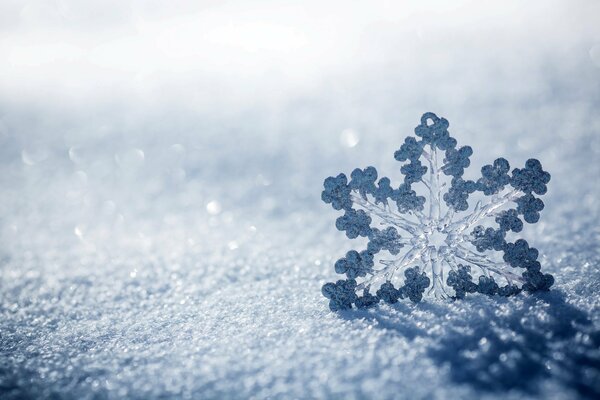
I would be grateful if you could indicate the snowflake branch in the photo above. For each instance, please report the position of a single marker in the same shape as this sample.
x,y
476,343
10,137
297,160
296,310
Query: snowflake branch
x,y
434,185
485,263
437,273
447,219
421,217
479,213
393,266
451,263
387,215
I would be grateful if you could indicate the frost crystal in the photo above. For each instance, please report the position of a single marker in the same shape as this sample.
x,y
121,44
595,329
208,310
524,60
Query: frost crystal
x,y
443,247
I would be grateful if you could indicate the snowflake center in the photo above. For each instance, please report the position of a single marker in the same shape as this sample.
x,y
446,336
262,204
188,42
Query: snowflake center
x,y
436,238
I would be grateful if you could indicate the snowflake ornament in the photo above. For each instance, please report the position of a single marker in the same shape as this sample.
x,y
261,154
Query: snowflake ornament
x,y
417,244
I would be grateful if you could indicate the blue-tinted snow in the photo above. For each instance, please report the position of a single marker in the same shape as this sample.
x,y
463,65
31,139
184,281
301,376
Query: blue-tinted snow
x,y
162,232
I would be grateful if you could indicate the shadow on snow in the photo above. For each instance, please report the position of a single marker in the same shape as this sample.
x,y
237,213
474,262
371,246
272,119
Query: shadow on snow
x,y
495,348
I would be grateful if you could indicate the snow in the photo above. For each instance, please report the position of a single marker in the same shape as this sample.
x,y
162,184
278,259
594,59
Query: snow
x,y
170,242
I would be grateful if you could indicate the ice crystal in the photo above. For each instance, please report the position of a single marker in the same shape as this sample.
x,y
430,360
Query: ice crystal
x,y
430,240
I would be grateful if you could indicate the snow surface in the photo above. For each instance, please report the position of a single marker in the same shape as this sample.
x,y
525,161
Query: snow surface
x,y
156,249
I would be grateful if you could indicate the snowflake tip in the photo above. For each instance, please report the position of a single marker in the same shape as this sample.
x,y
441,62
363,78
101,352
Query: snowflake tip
x,y
532,178
434,131
494,177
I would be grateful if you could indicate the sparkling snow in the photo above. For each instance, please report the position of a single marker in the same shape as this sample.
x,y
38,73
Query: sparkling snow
x,y
170,241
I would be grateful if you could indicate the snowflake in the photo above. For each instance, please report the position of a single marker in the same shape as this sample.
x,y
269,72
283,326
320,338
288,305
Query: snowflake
x,y
443,247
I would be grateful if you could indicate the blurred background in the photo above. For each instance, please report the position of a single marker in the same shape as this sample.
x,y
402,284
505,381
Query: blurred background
x,y
103,104
157,156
